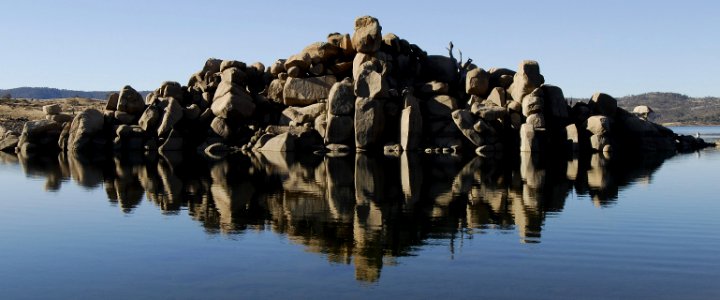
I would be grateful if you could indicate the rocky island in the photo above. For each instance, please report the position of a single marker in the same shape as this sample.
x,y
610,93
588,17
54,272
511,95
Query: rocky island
x,y
361,92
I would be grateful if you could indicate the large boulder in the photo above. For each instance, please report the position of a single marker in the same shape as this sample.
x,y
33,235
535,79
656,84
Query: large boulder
x,y
440,107
85,127
527,79
603,104
533,103
340,130
464,120
233,105
441,68
275,90
530,138
321,52
173,142
150,119
411,128
341,98
173,113
284,142
555,104
477,82
644,112
234,75
220,127
300,115
369,122
367,37
301,61
306,91
112,101
40,132
371,84
170,89
130,101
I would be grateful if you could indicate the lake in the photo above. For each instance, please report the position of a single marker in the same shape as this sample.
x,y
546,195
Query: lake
x,y
275,225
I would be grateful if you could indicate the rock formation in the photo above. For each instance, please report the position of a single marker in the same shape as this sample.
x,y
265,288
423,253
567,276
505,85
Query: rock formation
x,y
365,91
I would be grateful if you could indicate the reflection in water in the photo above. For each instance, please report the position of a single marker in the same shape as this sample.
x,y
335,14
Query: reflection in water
x,y
358,209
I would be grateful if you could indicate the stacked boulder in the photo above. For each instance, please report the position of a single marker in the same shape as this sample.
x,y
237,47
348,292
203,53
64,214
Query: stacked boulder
x,y
364,91
53,112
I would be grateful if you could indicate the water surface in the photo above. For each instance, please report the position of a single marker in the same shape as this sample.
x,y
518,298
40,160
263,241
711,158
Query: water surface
x,y
276,225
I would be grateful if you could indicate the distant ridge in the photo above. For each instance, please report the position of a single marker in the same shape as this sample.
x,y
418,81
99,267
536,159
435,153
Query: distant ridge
x,y
676,108
53,93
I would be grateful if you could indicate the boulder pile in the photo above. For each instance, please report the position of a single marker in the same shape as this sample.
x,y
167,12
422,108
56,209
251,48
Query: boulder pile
x,y
363,91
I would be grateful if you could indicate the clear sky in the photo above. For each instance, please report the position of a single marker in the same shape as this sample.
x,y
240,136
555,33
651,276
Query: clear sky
x,y
618,47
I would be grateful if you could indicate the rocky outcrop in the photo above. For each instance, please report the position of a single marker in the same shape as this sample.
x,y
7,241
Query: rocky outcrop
x,y
360,91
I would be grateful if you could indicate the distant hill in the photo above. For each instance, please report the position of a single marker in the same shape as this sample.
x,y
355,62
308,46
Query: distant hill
x,y
676,108
52,93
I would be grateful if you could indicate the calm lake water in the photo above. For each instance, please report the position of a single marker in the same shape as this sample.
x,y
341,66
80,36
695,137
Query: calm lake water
x,y
414,226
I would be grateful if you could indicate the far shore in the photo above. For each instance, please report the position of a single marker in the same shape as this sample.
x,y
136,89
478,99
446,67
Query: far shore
x,y
15,112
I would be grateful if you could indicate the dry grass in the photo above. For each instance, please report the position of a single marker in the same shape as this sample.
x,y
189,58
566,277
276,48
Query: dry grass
x,y
15,112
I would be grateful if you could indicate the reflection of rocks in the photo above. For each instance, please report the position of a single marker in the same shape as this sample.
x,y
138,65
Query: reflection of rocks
x,y
359,209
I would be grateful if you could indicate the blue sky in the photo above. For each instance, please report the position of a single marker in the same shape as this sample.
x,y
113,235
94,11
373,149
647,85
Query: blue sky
x,y
612,46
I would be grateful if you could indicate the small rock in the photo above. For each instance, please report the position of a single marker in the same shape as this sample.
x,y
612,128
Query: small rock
x,y
52,109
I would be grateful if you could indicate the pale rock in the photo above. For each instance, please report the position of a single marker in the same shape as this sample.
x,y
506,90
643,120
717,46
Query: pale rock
x,y
536,120
172,114
598,125
527,79
371,84
284,142
498,96
220,127
477,82
86,126
233,105
367,37
275,90
306,91
52,109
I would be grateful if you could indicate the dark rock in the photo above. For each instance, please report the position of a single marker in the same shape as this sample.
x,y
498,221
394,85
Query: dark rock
x,y
477,82
603,104
340,130
341,98
369,122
